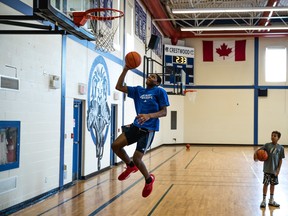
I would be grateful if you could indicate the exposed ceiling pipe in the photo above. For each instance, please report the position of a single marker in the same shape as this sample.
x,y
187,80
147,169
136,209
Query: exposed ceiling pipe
x,y
266,21
168,9
156,10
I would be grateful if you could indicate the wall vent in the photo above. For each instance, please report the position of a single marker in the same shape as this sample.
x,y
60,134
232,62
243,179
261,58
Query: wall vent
x,y
8,184
11,83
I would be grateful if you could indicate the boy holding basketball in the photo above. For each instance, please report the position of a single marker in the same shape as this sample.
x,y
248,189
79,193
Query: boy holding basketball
x,y
150,104
271,167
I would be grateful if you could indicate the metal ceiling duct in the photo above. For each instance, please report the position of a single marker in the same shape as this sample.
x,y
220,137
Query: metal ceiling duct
x,y
270,3
158,12
155,8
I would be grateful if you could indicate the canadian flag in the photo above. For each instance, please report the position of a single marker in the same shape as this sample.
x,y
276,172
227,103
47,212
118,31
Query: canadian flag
x,y
224,50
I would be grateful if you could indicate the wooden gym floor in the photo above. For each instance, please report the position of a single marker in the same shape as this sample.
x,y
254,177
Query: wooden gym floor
x,y
206,180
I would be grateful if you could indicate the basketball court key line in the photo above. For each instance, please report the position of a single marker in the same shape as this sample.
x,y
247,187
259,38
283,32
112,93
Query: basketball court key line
x,y
72,197
128,188
77,195
160,200
251,167
192,159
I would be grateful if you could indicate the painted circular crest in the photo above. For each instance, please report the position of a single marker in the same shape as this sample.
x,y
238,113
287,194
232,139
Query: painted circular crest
x,y
98,112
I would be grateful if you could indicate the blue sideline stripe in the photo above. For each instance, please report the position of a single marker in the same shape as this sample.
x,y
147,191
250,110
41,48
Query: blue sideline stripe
x,y
256,76
232,87
128,188
27,203
73,197
90,45
153,209
19,6
219,87
62,123
273,87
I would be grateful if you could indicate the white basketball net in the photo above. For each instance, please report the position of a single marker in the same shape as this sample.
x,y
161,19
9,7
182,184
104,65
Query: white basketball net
x,y
104,31
104,23
191,95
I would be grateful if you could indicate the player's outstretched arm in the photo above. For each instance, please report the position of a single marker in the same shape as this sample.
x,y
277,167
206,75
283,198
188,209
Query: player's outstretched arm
x,y
120,83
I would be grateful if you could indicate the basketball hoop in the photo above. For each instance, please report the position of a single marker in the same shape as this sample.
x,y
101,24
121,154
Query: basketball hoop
x,y
191,93
104,24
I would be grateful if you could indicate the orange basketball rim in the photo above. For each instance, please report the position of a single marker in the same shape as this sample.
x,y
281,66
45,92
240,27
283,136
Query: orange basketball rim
x,y
80,18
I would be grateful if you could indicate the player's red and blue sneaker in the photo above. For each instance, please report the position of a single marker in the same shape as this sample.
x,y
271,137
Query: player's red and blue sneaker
x,y
124,175
147,190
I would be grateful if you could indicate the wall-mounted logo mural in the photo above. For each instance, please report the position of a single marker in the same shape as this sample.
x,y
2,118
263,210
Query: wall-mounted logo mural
x,y
98,114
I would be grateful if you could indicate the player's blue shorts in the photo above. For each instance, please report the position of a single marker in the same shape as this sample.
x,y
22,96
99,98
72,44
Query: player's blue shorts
x,y
142,136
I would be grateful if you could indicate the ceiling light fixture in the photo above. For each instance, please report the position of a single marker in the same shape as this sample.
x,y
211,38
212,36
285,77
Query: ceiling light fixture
x,y
227,10
235,28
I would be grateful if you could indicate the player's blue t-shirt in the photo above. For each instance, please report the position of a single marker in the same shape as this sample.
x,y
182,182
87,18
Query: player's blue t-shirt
x,y
148,101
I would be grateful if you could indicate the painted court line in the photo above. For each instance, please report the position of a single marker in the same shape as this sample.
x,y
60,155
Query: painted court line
x,y
153,209
72,197
192,159
128,188
251,167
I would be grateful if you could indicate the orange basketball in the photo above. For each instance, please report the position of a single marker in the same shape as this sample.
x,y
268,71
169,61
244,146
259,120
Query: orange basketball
x,y
262,155
132,60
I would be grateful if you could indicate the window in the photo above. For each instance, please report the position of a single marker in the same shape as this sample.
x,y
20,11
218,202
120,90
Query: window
x,y
9,144
275,64
129,28
173,120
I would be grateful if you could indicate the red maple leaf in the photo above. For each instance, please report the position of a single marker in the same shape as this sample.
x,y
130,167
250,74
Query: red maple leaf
x,y
224,50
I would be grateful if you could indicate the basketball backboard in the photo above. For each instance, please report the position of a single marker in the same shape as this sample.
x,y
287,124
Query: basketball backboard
x,y
57,17
87,19
59,13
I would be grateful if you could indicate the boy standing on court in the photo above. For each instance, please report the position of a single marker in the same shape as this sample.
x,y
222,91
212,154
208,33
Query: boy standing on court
x,y
271,167
150,104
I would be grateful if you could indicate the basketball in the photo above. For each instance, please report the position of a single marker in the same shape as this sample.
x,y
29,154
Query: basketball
x,y
262,155
132,60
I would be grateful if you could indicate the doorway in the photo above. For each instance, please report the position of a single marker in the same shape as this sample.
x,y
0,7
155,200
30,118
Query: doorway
x,y
77,140
114,110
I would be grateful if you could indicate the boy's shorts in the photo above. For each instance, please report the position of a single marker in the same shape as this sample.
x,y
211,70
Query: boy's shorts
x,y
142,136
270,179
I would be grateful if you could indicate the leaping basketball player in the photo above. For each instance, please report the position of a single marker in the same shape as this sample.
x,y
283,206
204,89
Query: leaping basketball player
x,y
150,104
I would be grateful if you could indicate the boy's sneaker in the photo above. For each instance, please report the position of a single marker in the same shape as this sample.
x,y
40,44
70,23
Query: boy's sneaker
x,y
263,204
124,175
273,203
148,187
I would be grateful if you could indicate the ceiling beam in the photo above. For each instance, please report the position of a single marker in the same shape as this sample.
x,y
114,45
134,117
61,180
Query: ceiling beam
x,y
268,14
228,10
235,28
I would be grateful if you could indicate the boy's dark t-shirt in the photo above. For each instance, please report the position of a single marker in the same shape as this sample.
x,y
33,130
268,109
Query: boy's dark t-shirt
x,y
275,153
